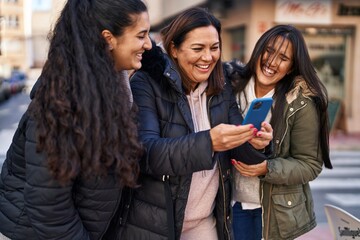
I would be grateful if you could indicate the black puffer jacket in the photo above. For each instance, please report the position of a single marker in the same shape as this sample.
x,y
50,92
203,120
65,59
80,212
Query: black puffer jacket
x,y
34,206
174,152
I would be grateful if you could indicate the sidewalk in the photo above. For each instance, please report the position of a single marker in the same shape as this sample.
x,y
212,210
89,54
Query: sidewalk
x,y
338,142
320,232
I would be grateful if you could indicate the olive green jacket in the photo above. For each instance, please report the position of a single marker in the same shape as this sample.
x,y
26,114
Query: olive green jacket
x,y
288,209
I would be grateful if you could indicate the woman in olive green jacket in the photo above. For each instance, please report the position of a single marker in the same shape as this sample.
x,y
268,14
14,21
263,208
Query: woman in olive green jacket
x,y
280,67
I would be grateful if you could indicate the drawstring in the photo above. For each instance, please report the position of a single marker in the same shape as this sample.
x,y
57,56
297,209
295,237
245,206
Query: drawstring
x,y
198,116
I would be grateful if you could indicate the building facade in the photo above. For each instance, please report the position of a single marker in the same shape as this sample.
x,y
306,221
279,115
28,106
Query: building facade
x,y
331,30
44,15
330,27
24,27
14,36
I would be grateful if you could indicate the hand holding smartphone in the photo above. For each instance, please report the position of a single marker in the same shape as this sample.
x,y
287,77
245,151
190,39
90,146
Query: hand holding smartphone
x,y
258,111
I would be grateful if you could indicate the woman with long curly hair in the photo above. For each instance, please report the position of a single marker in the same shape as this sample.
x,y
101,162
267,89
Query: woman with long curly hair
x,y
76,146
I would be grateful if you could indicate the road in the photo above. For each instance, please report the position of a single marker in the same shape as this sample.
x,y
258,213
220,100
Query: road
x,y
10,114
339,186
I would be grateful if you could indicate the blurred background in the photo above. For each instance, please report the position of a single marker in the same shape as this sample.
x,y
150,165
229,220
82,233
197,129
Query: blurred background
x,y
331,29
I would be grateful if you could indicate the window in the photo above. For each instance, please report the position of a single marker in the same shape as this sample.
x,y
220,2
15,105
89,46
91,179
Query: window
x,y
328,50
41,5
10,1
13,46
12,21
238,43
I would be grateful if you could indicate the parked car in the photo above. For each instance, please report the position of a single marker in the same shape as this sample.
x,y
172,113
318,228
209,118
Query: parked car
x,y
16,81
5,91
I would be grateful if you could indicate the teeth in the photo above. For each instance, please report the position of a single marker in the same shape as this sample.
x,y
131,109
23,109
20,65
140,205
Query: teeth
x,y
203,66
268,70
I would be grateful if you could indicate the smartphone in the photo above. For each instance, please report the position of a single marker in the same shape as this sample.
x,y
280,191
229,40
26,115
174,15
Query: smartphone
x,y
258,111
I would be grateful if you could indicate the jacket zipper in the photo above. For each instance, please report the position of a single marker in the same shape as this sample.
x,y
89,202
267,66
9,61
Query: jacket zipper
x,y
287,126
113,214
271,187
268,214
262,208
224,201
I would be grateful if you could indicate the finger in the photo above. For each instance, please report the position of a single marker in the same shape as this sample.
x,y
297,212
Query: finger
x,y
243,165
241,129
239,139
226,136
263,128
258,144
267,127
264,136
236,166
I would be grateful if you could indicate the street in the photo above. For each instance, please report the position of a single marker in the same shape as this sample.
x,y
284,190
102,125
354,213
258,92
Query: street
x,y
10,114
339,186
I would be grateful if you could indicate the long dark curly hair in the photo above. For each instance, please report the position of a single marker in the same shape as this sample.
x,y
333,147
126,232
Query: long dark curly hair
x,y
85,122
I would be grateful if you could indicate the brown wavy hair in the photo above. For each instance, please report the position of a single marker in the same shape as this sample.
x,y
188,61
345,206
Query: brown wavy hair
x,y
85,123
176,32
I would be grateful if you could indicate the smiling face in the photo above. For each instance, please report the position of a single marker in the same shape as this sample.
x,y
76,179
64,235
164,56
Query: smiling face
x,y
128,48
198,54
275,64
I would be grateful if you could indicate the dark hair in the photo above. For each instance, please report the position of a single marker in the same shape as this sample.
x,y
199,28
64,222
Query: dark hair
x,y
175,33
85,123
301,66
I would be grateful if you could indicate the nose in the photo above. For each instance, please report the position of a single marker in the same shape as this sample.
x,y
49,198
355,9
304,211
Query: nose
x,y
274,60
147,43
206,56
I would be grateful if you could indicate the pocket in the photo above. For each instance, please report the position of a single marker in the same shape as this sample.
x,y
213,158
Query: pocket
x,y
290,212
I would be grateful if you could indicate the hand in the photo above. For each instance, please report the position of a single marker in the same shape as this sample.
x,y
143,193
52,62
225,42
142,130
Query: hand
x,y
226,136
255,170
263,137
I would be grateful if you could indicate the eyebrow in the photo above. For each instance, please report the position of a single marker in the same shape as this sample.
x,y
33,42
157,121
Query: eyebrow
x,y
200,44
142,31
284,56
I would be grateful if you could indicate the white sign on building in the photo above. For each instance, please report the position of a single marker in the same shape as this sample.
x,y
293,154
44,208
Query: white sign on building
x,y
303,11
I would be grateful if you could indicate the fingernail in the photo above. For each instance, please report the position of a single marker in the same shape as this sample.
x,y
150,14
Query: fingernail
x,y
232,161
251,126
259,134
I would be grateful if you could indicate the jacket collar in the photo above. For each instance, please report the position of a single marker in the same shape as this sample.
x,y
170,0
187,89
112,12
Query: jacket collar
x,y
300,87
172,74
159,66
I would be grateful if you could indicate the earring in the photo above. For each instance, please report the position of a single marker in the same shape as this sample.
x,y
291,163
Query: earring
x,y
110,47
